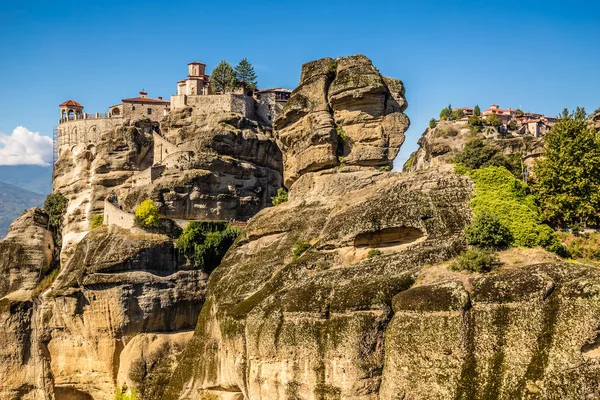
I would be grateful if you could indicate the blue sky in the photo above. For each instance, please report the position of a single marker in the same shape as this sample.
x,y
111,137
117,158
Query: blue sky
x,y
541,56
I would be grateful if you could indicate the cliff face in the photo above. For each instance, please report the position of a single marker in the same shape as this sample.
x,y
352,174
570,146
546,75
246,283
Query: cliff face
x,y
439,145
343,112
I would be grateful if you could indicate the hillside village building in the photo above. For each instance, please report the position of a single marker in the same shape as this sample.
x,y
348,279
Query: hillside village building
x,y
527,123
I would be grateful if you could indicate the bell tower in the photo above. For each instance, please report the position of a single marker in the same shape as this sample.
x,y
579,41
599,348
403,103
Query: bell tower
x,y
70,110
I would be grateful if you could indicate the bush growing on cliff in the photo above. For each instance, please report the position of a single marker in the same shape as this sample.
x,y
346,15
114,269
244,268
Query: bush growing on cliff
x,y
146,215
97,221
493,120
486,230
476,260
500,194
300,248
124,394
432,123
281,197
55,206
204,243
446,113
478,154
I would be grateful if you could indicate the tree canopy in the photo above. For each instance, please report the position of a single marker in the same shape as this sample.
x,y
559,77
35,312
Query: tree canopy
x,y
55,206
146,214
477,111
568,173
244,75
223,77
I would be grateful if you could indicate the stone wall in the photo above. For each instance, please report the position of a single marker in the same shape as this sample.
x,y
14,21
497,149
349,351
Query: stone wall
x,y
177,159
147,176
136,111
217,103
84,131
163,148
115,216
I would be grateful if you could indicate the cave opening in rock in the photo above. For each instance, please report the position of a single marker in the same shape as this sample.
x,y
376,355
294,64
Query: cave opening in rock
x,y
388,237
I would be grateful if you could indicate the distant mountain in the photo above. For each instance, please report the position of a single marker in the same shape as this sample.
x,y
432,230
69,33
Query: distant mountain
x,y
13,200
33,178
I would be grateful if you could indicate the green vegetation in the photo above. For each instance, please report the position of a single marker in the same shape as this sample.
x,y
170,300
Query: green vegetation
x,y
409,162
281,197
518,112
486,230
493,120
341,134
97,221
46,282
568,173
300,248
512,125
384,168
446,113
457,114
478,154
476,260
499,194
55,206
222,78
477,111
432,123
585,247
332,66
146,215
373,253
245,76
204,243
121,394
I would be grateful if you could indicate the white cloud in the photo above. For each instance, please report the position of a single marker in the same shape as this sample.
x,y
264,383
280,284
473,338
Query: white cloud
x,y
25,147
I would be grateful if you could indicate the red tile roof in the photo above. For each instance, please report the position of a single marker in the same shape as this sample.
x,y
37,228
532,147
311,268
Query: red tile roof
x,y
70,103
144,100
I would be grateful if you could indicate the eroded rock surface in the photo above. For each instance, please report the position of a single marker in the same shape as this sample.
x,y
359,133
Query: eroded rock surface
x,y
343,112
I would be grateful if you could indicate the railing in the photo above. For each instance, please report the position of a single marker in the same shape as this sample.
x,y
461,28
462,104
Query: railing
x,y
87,116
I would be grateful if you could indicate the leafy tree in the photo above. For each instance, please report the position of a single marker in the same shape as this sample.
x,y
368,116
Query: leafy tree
x,y
477,111
512,125
458,114
474,120
55,206
205,243
146,215
478,154
486,230
518,112
223,77
493,120
244,75
432,123
446,113
568,173
282,197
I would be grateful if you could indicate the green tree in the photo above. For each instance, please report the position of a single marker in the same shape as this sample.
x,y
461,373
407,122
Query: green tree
x,y
474,120
245,76
487,230
55,206
478,154
204,243
476,260
432,123
568,173
518,112
493,120
458,114
146,215
477,111
512,125
223,77
446,113
97,221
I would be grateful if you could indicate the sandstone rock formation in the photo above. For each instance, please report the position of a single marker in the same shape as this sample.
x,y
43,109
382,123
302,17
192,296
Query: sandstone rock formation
x,y
438,145
343,112
26,253
219,166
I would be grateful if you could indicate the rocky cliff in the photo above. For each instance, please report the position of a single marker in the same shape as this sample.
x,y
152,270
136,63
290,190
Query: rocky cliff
x,y
342,292
344,112
438,145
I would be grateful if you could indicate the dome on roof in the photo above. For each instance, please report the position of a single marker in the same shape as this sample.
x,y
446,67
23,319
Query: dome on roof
x,y
70,103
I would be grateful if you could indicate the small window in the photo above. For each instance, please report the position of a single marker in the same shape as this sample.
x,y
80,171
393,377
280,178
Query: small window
x,y
132,108
149,111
